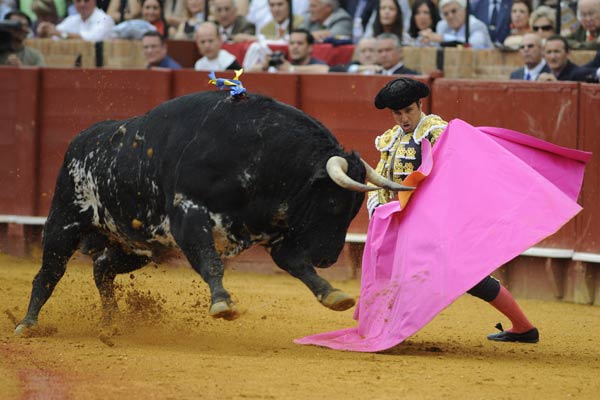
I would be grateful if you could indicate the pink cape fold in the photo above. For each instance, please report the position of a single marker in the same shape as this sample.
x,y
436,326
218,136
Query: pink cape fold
x,y
490,194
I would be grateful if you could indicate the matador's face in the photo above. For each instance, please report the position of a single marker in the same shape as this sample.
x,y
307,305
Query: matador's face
x,y
408,117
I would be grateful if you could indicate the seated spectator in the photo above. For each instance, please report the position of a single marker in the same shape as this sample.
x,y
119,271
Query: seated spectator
x,y
232,27
531,51
424,16
278,27
366,59
195,16
18,54
155,52
388,18
556,54
174,12
451,29
587,36
44,10
124,10
90,23
300,56
543,21
390,55
153,11
519,23
209,44
362,13
259,12
328,19
495,14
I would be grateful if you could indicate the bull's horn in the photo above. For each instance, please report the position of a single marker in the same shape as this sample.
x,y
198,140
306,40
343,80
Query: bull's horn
x,y
337,168
382,182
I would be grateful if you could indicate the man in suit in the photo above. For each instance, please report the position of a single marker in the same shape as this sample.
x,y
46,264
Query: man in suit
x,y
328,19
390,55
496,15
232,27
587,36
556,54
531,51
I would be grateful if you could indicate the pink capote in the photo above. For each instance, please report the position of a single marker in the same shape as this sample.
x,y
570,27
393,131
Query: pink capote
x,y
490,194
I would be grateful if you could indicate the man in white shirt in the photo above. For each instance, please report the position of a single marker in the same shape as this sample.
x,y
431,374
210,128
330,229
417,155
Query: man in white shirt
x,y
209,44
531,51
90,23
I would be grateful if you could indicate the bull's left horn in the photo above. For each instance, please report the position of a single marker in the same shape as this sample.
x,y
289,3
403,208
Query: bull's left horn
x,y
382,182
337,168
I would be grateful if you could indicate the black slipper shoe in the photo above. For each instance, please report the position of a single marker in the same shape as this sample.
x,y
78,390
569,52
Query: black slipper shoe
x,y
531,336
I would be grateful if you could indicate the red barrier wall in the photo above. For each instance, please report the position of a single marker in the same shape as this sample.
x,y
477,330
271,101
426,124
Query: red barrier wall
x,y
73,99
18,140
588,228
344,103
283,87
548,111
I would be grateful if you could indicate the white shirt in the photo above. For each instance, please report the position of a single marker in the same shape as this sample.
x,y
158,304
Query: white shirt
x,y
96,28
391,70
223,60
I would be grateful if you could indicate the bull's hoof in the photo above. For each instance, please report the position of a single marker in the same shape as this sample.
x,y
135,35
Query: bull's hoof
x,y
24,329
222,309
338,301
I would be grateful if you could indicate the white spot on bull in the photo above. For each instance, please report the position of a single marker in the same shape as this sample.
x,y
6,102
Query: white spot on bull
x,y
161,233
225,243
180,201
73,225
87,195
86,189
245,178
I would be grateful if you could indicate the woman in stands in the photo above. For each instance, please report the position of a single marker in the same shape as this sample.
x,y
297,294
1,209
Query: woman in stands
x,y
388,19
424,16
153,12
194,17
543,21
519,23
123,10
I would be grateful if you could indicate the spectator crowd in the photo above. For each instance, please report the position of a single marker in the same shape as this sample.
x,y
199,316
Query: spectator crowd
x,y
543,31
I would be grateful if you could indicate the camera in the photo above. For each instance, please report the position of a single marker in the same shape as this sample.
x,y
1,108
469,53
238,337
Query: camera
x,y
276,59
6,29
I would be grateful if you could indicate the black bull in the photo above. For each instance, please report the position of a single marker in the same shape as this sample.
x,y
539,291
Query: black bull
x,y
211,175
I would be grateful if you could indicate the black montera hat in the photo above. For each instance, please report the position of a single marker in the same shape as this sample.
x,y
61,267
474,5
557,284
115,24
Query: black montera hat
x,y
400,93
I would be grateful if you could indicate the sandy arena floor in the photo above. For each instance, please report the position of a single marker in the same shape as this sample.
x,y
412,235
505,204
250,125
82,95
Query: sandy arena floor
x,y
168,348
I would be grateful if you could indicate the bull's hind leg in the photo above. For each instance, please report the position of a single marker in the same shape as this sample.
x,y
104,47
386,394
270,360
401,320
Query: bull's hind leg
x,y
191,228
107,264
62,234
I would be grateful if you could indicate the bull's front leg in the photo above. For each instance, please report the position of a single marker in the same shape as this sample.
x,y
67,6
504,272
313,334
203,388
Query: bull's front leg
x,y
327,295
191,229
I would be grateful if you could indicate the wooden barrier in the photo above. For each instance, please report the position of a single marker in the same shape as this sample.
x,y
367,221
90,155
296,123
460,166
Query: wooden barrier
x,y
18,140
421,59
123,54
74,99
65,53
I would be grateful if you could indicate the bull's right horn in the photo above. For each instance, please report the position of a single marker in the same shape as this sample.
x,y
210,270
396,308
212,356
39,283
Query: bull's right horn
x,y
382,182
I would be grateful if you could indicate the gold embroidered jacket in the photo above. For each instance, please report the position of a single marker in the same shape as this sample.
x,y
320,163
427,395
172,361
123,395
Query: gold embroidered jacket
x,y
405,150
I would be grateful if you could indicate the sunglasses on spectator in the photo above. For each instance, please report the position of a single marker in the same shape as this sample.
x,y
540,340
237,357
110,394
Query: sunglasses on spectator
x,y
526,46
81,1
544,28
